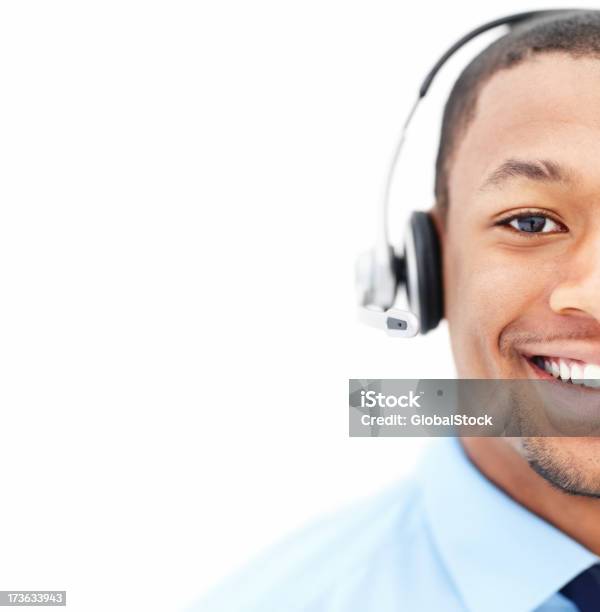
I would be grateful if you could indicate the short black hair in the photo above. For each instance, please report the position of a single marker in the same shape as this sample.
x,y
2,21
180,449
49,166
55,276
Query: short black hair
x,y
576,33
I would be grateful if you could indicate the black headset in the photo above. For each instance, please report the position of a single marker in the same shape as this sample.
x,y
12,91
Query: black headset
x,y
382,272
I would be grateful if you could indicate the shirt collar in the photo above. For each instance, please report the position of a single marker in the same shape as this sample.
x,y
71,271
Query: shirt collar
x,y
500,555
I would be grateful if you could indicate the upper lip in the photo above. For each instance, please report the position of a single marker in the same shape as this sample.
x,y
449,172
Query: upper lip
x,y
585,351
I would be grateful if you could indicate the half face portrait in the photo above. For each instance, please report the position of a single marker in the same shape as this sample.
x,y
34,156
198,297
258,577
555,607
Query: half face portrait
x,y
518,212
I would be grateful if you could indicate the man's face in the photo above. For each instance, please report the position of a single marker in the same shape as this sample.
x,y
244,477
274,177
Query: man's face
x,y
521,244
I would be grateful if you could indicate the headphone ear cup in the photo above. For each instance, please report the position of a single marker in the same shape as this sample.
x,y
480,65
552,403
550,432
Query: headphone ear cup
x,y
422,256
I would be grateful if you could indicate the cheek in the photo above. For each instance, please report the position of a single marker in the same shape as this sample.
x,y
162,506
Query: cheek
x,y
486,289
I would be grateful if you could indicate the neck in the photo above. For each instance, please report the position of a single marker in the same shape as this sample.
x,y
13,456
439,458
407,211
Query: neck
x,y
575,515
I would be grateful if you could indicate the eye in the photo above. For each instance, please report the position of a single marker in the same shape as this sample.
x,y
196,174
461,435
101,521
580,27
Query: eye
x,y
533,223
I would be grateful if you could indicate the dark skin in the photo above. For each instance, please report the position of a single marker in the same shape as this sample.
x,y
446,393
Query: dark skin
x,y
529,294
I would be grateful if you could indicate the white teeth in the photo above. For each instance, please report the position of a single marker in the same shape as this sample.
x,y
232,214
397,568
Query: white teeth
x,y
577,373
591,374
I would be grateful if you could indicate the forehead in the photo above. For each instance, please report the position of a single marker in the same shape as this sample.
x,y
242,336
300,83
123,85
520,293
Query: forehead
x,y
548,107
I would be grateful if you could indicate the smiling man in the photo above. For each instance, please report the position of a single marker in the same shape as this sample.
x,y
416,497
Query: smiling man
x,y
518,207
490,524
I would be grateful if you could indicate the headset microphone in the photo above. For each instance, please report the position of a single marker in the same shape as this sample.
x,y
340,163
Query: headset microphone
x,y
395,322
381,272
377,298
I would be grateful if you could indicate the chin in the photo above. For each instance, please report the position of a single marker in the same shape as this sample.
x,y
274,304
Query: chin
x,y
569,464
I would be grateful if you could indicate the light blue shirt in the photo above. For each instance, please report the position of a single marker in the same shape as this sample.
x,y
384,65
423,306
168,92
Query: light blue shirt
x,y
447,540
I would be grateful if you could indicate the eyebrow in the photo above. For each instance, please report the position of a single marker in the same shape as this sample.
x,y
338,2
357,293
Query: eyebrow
x,y
542,170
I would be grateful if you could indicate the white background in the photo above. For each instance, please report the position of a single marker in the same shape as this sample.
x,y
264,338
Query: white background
x,y
184,187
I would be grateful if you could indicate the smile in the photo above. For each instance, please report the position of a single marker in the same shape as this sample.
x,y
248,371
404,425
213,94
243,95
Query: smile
x,y
567,370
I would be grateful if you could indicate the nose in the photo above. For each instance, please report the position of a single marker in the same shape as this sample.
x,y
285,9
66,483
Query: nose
x,y
579,292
